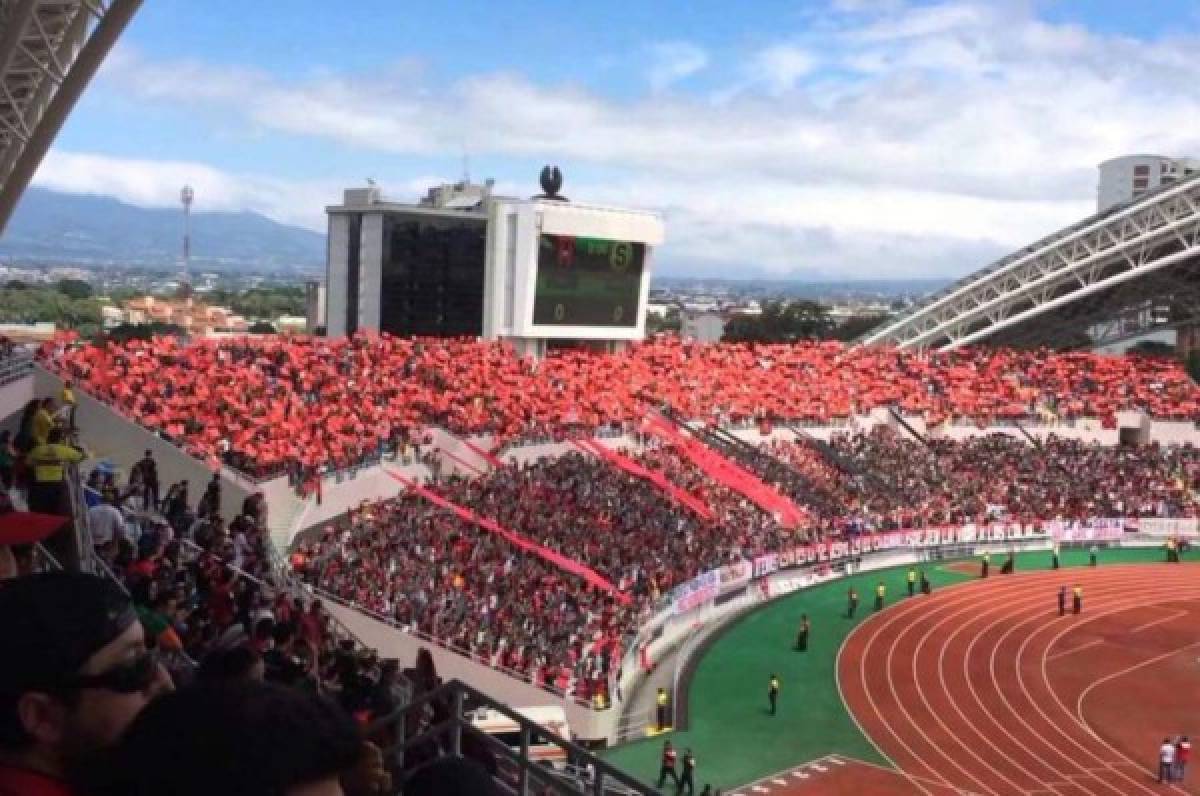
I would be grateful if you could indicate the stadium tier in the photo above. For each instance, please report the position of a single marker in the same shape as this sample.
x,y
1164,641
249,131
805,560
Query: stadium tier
x,y
517,568
305,405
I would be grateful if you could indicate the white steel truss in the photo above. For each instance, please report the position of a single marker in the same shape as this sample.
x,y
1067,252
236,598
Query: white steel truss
x,y
49,50
1104,251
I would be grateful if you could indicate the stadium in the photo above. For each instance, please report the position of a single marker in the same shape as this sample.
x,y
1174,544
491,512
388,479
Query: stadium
x,y
488,535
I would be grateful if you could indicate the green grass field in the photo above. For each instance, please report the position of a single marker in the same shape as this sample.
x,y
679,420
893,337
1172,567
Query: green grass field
x,y
731,733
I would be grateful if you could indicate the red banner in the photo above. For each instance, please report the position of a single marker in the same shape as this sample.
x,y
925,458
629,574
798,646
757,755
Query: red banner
x,y
723,471
680,496
515,539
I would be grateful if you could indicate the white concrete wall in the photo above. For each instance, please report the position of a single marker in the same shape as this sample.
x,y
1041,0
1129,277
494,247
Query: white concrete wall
x,y
108,435
336,273
1172,433
13,397
370,484
394,643
456,456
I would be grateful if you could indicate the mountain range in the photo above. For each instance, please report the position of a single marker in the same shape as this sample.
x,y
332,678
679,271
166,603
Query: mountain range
x,y
61,227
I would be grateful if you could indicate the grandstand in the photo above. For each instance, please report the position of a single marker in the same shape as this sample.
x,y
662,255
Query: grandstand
x,y
446,538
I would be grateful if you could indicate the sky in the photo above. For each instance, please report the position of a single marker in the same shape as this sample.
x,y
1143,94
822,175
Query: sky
x,y
830,140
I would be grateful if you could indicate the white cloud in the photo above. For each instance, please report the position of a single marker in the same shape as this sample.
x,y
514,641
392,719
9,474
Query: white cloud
x,y
780,66
886,139
674,61
156,183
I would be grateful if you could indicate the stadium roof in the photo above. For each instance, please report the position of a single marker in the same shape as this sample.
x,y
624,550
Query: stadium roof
x,y
1135,265
49,50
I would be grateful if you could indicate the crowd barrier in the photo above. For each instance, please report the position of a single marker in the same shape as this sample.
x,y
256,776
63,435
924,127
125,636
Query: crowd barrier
x,y
718,594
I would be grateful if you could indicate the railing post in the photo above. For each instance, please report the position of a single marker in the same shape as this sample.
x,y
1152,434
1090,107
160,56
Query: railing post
x,y
523,764
456,729
597,781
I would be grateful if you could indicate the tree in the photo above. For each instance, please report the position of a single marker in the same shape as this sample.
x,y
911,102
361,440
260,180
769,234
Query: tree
x,y
670,322
1193,365
261,327
856,326
15,284
143,331
74,288
1153,348
269,302
781,322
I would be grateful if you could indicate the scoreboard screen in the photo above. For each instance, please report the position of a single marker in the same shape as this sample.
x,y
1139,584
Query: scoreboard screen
x,y
587,281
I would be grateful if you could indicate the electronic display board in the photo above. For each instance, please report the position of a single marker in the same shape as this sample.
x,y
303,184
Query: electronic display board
x,y
587,281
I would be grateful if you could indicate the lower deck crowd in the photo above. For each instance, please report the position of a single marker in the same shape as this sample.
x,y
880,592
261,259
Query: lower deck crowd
x,y
440,575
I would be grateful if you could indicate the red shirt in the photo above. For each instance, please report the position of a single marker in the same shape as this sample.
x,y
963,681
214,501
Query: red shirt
x,y
23,782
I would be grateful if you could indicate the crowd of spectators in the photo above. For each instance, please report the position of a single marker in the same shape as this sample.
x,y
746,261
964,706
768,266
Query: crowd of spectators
x,y
210,608
438,574
305,404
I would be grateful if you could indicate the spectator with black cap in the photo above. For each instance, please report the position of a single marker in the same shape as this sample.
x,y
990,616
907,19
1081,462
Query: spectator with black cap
x,y
74,674
235,739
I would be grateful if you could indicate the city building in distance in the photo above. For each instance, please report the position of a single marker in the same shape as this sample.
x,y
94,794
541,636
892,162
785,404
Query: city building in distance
x,y
196,318
1131,177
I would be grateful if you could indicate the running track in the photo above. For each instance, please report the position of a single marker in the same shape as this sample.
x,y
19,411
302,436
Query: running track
x,y
955,688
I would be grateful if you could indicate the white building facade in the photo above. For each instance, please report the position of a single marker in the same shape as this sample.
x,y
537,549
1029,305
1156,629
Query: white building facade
x,y
1124,179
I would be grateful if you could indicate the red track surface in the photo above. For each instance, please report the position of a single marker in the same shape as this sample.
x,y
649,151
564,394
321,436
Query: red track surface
x,y
984,689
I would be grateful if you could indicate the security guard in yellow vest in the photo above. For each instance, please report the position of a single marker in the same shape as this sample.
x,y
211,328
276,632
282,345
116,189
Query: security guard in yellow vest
x,y
986,565
661,701
47,492
912,581
880,593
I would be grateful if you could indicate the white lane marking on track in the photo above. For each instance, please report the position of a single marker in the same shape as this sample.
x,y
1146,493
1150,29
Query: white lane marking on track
x,y
1073,650
949,610
1147,598
800,774
1157,594
893,731
1117,584
779,781
945,640
1159,621
1114,585
819,767
759,789
866,690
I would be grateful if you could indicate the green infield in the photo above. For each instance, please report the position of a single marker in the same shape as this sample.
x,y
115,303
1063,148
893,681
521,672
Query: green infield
x,y
733,736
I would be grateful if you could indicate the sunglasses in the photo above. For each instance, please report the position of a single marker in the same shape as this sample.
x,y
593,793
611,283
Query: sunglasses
x,y
131,677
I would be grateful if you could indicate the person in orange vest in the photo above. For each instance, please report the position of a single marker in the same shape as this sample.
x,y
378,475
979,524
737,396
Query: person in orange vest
x,y
661,701
1078,600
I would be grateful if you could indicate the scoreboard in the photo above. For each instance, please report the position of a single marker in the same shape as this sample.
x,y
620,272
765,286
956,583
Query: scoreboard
x,y
559,272
587,281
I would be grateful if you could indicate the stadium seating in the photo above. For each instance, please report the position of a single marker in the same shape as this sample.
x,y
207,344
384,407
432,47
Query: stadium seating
x,y
302,404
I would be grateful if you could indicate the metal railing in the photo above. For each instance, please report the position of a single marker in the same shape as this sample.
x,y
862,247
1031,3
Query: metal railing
x,y
15,366
515,771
